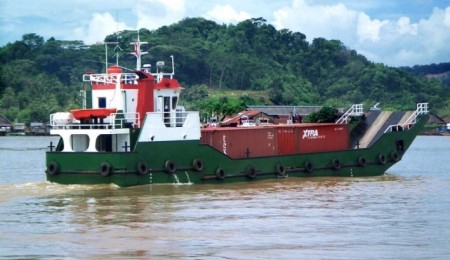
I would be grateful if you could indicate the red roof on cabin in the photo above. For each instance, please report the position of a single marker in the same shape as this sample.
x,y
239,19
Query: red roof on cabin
x,y
167,83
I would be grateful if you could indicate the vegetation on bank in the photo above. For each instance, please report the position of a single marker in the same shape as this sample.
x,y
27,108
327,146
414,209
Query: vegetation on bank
x,y
223,68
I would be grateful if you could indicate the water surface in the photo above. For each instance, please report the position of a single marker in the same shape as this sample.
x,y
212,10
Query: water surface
x,y
401,215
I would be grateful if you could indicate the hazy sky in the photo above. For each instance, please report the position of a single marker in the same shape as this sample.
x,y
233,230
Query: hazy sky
x,y
394,32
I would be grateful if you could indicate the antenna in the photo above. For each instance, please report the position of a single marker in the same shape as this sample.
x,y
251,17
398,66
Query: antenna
x,y
106,54
117,49
137,51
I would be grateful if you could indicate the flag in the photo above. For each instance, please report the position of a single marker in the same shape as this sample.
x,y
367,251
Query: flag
x,y
136,49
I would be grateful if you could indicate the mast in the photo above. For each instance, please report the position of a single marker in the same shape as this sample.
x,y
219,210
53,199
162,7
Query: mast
x,y
137,52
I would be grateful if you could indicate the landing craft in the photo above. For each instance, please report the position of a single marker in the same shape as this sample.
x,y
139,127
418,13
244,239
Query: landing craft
x,y
131,131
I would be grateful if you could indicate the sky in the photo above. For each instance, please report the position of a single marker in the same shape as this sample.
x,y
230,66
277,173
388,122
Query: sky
x,y
393,32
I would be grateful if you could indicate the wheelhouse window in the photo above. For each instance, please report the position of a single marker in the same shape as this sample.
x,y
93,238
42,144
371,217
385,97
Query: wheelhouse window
x,y
167,111
80,143
174,102
101,102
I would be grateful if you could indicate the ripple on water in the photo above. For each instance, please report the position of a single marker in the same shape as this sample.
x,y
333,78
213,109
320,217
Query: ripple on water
x,y
400,215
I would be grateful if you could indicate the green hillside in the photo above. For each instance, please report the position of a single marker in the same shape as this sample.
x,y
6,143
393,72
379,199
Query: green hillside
x,y
439,71
223,68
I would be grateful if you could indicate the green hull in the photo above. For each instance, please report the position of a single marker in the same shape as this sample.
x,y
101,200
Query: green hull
x,y
192,162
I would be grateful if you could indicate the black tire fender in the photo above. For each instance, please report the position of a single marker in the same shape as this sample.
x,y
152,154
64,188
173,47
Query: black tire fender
x,y
220,174
105,169
170,167
53,168
281,171
142,168
336,164
251,172
381,158
197,165
362,161
394,156
309,168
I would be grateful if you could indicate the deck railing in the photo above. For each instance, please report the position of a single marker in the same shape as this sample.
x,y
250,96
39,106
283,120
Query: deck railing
x,y
169,120
116,121
125,78
355,110
112,78
422,109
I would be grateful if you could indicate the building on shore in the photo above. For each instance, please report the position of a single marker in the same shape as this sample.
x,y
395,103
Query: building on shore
x,y
5,125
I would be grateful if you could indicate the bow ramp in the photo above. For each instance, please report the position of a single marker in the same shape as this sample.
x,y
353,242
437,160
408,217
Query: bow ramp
x,y
374,128
379,122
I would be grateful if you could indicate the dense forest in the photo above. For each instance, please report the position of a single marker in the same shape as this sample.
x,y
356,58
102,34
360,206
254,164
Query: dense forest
x,y
252,60
439,71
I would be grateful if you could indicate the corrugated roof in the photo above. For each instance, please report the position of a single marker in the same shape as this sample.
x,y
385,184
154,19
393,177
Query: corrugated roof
x,y
235,118
286,110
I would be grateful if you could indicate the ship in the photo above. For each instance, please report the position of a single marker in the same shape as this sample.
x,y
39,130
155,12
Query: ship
x,y
130,130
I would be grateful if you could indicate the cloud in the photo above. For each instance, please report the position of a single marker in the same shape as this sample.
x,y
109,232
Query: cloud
x,y
447,17
404,26
226,14
152,14
368,29
383,31
329,21
394,41
405,44
101,25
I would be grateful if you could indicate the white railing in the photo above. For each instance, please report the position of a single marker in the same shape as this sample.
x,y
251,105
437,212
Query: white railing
x,y
355,110
422,109
116,121
168,119
112,78
125,78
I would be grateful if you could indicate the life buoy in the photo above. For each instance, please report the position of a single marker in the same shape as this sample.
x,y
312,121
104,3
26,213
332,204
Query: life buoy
x,y
197,165
381,158
309,168
53,168
105,169
169,167
394,156
220,174
281,171
336,164
362,161
251,173
142,168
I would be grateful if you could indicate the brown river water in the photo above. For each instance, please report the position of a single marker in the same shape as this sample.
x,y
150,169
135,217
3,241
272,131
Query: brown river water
x,y
404,214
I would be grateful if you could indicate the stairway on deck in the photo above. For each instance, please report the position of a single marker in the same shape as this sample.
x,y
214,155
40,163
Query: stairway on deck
x,y
374,129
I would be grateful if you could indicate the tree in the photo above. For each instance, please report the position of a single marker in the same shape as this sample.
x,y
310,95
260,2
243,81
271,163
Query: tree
x,y
195,93
324,115
251,55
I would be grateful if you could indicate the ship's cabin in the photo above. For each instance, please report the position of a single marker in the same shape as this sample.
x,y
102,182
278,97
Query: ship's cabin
x,y
114,105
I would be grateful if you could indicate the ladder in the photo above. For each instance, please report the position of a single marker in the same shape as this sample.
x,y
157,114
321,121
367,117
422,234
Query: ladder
x,y
355,110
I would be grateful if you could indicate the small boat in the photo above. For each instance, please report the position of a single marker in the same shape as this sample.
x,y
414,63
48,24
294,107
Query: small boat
x,y
92,113
131,131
